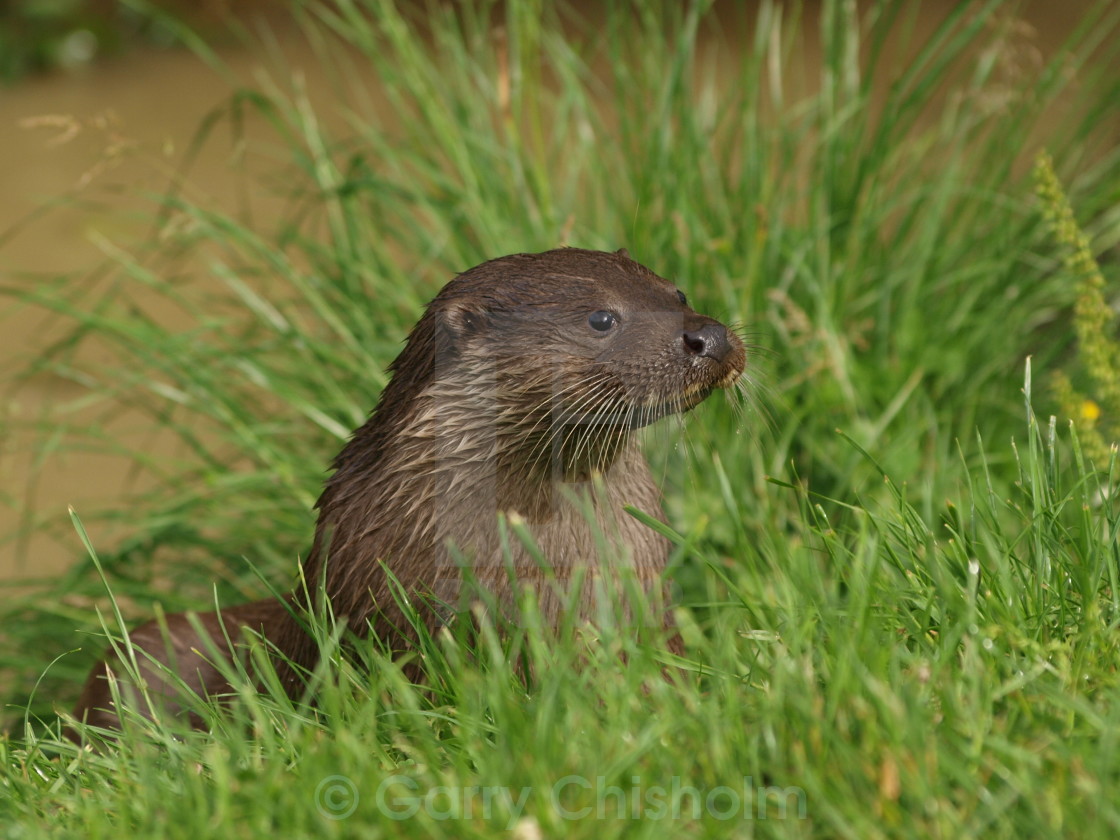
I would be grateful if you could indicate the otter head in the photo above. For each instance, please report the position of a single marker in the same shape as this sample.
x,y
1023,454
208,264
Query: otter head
x,y
573,349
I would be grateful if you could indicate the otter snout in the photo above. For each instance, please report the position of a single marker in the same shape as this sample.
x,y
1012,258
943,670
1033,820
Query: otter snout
x,y
709,341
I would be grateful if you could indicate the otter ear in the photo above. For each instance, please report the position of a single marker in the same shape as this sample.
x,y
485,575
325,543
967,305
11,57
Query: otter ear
x,y
622,252
462,320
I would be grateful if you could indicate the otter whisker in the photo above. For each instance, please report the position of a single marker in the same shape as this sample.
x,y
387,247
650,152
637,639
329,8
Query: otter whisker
x,y
549,440
578,432
545,410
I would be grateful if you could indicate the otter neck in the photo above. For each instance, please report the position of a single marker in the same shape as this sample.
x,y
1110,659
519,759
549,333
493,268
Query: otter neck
x,y
434,471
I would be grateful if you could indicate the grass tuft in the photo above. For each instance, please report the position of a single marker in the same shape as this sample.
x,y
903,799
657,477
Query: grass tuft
x,y
1098,351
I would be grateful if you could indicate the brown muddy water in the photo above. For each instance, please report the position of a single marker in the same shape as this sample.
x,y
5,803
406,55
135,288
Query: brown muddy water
x,y
96,139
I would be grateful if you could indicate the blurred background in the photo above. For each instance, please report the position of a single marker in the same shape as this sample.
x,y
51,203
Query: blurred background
x,y
106,106
100,105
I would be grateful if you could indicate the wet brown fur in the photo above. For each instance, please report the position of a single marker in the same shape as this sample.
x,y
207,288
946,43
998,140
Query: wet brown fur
x,y
504,399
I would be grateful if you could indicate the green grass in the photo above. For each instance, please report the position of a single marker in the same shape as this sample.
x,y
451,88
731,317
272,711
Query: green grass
x,y
900,583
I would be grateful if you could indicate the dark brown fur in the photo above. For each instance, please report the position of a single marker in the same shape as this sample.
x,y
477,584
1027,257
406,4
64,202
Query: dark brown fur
x,y
505,399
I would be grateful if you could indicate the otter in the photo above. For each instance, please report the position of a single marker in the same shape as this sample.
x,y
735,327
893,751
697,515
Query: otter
x,y
518,393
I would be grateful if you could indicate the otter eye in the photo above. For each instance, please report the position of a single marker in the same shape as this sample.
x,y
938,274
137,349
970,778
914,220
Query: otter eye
x,y
602,320
681,297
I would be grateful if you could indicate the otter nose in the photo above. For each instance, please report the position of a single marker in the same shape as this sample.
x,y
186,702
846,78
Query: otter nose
x,y
710,340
